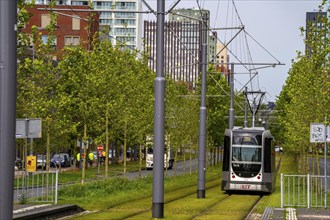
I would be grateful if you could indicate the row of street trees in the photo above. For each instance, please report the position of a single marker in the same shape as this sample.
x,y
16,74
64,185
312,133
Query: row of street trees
x,y
105,94
305,97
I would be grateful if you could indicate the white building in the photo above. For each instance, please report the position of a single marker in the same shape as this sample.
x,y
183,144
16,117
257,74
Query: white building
x,y
125,26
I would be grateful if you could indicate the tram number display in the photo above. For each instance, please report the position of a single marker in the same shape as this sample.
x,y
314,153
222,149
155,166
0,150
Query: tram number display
x,y
245,186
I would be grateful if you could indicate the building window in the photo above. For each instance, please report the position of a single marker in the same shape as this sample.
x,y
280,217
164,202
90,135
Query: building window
x,y
45,39
122,22
72,40
45,20
124,15
75,24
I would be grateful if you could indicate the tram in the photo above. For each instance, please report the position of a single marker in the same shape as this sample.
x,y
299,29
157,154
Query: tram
x,y
248,160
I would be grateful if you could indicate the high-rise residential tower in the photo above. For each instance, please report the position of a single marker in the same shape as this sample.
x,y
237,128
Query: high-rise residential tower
x,y
194,15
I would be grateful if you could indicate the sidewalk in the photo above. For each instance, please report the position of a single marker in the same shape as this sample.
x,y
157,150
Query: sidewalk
x,y
44,211
296,214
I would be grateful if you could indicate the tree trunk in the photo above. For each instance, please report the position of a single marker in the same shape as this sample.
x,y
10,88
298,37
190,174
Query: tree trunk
x,y
125,148
184,161
85,154
140,160
48,146
106,143
190,158
175,161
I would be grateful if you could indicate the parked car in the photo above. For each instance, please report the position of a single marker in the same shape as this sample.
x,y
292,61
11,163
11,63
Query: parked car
x,y
18,164
62,159
41,161
278,149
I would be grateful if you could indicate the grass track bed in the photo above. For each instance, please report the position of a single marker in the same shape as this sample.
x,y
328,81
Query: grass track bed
x,y
234,207
141,208
180,199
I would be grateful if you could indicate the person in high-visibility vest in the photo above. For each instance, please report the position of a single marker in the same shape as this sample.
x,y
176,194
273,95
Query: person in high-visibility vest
x,y
78,160
103,156
90,159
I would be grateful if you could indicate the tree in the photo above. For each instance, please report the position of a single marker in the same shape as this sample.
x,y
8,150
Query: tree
x,y
305,96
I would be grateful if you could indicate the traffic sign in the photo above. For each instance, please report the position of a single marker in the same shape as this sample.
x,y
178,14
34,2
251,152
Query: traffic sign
x,y
317,133
28,128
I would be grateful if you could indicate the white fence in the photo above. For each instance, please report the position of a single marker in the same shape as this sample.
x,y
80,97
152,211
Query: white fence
x,y
304,191
36,187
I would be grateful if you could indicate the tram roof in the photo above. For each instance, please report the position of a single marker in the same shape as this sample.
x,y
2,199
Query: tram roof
x,y
248,128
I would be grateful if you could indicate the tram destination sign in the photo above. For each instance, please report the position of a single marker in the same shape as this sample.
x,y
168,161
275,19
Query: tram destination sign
x,y
317,133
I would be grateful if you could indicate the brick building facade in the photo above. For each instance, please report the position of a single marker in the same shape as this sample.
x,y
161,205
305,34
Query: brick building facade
x,y
71,27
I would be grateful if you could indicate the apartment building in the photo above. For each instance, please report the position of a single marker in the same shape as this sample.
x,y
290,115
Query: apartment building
x,y
194,15
116,16
313,18
182,45
72,26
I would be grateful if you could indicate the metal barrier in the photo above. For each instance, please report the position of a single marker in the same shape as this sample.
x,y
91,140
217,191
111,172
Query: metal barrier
x,y
304,191
37,187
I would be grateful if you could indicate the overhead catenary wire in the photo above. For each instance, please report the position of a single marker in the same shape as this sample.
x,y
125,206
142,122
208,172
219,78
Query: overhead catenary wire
x,y
245,50
235,17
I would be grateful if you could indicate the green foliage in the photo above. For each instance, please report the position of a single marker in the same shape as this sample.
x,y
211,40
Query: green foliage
x,y
104,93
217,105
98,189
181,115
305,96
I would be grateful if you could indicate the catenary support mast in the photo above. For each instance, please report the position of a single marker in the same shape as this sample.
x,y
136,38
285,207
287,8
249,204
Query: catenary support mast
x,y
8,63
202,115
159,117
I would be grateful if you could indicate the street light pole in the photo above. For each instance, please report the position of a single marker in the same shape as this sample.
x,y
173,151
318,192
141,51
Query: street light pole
x,y
8,66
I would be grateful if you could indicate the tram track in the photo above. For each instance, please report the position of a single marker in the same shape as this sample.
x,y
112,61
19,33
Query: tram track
x,y
142,206
218,204
209,208
183,204
232,207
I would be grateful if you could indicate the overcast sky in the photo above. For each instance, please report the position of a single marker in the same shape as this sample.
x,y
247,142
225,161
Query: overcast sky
x,y
273,24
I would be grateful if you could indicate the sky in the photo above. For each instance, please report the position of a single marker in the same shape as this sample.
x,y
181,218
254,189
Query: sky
x,y
273,24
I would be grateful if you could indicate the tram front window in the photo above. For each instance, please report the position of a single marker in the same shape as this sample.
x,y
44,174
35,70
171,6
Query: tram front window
x,y
247,154
246,161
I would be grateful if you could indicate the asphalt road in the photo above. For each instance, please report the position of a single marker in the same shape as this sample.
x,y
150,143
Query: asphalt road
x,y
181,168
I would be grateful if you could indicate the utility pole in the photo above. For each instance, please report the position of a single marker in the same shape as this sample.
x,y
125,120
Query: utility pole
x,y
8,63
202,115
159,118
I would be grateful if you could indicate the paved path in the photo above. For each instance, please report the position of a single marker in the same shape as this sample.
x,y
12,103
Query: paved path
x,y
294,214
